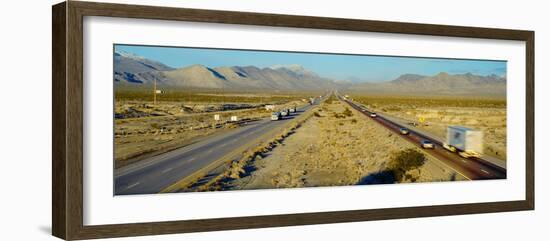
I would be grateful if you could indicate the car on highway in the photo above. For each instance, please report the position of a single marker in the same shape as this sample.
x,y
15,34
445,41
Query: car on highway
x,y
469,154
449,147
373,115
404,131
284,112
427,144
292,109
276,116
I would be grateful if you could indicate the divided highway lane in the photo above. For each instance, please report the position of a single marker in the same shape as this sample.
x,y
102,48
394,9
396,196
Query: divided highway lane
x,y
472,168
156,173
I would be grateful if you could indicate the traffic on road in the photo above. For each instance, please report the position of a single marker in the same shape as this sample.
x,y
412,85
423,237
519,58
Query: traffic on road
x,y
472,167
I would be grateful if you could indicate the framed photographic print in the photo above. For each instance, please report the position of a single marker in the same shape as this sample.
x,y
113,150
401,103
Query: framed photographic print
x,y
171,120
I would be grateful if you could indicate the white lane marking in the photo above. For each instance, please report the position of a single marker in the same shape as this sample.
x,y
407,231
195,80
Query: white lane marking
x,y
224,144
133,185
210,151
167,170
190,160
483,170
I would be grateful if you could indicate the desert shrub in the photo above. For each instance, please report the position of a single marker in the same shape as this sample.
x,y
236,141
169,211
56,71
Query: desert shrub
x,y
394,103
189,95
392,108
353,121
155,126
404,161
316,114
410,177
331,100
347,112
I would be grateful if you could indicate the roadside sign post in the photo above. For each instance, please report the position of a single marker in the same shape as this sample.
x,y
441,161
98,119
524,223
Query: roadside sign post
x,y
217,119
421,119
155,92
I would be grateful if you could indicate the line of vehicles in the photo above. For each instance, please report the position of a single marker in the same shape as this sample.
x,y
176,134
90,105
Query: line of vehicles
x,y
279,115
467,142
424,143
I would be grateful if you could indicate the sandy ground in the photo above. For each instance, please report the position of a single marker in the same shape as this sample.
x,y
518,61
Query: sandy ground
x,y
142,130
332,149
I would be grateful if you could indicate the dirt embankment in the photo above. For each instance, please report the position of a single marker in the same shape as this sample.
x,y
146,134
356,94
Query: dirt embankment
x,y
336,146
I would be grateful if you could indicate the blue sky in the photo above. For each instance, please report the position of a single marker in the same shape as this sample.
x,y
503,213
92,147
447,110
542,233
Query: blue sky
x,y
335,66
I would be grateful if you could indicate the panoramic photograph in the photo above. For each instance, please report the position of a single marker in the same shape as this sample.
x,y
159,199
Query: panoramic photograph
x,y
204,119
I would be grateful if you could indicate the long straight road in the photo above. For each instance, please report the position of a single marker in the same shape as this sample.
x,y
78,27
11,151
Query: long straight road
x,y
156,173
470,168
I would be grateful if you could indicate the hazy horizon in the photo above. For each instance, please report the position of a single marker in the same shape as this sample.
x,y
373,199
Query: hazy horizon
x,y
356,68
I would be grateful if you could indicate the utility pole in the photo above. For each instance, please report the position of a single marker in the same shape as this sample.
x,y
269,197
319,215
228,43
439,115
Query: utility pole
x,y
155,92
223,96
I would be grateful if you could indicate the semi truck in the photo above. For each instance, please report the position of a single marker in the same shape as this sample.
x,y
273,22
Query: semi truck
x,y
466,141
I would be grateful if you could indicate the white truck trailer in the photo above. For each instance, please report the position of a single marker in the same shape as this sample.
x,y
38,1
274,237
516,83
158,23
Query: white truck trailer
x,y
467,142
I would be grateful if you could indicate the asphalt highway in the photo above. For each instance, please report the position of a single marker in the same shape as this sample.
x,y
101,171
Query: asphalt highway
x,y
158,172
470,168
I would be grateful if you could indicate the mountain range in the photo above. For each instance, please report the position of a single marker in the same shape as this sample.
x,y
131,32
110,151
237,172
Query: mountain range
x,y
439,84
134,70
137,70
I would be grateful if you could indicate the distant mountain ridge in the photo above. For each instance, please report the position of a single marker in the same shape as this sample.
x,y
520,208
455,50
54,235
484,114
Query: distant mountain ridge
x,y
128,67
407,78
440,84
135,70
